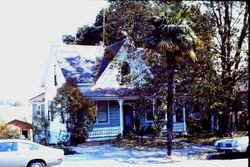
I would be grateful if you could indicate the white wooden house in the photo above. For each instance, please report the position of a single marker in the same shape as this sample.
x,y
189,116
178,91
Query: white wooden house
x,y
114,101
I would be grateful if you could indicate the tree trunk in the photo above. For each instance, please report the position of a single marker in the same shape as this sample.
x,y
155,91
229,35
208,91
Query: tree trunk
x,y
170,104
224,128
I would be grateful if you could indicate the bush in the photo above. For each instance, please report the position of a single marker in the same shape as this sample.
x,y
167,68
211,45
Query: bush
x,y
9,131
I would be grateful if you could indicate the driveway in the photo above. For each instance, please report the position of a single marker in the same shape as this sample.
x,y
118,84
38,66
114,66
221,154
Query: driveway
x,y
109,156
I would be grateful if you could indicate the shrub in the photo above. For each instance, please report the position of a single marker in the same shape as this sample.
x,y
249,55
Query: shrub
x,y
9,131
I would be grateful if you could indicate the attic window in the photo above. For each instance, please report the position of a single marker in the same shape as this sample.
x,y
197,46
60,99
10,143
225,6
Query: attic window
x,y
125,69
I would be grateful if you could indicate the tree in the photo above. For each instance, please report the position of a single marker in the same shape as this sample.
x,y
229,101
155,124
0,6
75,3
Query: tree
x,y
9,131
232,31
199,81
122,19
212,83
173,40
40,127
75,110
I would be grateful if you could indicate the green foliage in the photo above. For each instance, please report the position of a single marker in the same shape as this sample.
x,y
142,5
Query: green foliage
x,y
122,19
9,131
212,83
40,127
171,38
75,110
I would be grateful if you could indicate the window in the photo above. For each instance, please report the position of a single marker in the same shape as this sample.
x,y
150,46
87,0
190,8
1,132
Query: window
x,y
8,146
43,110
159,110
179,115
38,110
125,71
102,112
149,110
29,146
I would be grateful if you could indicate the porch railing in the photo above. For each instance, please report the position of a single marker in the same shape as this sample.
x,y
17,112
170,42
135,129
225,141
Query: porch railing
x,y
177,127
114,131
104,132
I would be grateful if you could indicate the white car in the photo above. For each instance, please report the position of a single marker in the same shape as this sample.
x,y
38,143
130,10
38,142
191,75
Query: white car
x,y
24,153
237,144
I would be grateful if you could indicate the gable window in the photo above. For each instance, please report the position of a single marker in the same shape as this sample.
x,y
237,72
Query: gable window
x,y
125,71
102,112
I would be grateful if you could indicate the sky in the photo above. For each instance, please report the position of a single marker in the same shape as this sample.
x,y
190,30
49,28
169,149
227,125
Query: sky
x,y
28,29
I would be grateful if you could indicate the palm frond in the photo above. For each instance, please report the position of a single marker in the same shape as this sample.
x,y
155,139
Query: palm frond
x,y
192,55
167,45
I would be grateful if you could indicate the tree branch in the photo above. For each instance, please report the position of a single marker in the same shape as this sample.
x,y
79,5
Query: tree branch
x,y
242,37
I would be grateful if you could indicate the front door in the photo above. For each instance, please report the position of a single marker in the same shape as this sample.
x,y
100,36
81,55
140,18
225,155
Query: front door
x,y
128,118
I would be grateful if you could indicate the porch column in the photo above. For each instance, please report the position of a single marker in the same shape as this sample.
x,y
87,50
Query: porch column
x,y
121,115
154,105
174,117
212,122
184,119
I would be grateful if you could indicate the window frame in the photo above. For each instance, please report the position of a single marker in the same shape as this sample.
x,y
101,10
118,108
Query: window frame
x,y
11,146
107,111
153,112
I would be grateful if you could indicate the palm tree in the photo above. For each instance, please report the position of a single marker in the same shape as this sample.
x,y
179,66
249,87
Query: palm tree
x,y
174,40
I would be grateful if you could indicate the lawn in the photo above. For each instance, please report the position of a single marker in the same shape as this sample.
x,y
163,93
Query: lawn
x,y
152,143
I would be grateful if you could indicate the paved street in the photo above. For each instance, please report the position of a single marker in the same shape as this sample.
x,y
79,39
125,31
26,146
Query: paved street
x,y
108,156
184,163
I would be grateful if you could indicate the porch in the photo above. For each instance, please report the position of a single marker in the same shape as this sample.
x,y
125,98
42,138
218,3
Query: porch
x,y
116,114
113,132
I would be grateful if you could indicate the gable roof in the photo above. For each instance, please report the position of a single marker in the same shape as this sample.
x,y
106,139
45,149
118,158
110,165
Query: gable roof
x,y
110,52
21,124
38,98
89,65
78,61
125,52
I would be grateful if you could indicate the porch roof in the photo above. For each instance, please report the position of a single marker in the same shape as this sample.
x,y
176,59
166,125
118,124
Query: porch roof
x,y
114,93
110,92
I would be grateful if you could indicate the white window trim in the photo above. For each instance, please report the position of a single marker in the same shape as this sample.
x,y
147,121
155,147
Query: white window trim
x,y
102,123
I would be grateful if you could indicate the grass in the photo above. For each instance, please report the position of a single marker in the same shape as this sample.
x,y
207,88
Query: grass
x,y
206,138
153,143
